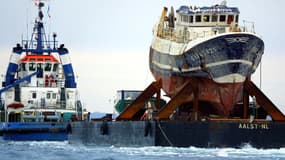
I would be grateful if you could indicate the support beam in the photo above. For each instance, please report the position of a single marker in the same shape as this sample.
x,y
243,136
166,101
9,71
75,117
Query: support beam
x,y
196,104
264,101
245,104
158,100
189,88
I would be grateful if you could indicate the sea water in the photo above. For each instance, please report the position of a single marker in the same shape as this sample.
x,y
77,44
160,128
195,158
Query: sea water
x,y
65,151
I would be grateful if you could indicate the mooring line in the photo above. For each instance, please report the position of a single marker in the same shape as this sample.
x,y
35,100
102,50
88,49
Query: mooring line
x,y
165,136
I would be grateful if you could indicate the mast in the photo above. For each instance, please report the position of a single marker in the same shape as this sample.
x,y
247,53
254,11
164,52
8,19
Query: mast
x,y
40,29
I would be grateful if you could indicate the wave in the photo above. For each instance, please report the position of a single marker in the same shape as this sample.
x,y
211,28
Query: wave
x,y
65,150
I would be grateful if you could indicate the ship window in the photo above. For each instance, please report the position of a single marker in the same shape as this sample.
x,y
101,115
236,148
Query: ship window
x,y
206,18
34,95
39,66
214,18
198,18
23,66
237,18
230,19
47,67
32,66
48,95
54,96
191,19
185,18
222,18
55,67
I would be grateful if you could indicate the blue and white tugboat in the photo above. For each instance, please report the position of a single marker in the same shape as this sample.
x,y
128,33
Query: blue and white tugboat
x,y
39,95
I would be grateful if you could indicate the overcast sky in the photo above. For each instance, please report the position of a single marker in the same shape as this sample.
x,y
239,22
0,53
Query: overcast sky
x,y
109,41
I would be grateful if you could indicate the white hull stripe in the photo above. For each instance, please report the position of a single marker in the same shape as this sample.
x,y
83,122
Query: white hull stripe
x,y
229,61
169,67
231,78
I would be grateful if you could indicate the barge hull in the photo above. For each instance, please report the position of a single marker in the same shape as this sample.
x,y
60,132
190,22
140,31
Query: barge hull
x,y
263,134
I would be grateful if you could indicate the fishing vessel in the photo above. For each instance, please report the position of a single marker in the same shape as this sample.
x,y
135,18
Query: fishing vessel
x,y
39,92
206,44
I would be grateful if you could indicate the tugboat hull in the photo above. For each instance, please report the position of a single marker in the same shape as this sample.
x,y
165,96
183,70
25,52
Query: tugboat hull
x,y
35,131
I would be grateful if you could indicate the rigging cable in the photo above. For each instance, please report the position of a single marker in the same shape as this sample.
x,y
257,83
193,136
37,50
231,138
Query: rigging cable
x,y
163,133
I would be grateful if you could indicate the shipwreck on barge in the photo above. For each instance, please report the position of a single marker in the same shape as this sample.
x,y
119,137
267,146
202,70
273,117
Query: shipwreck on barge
x,y
203,60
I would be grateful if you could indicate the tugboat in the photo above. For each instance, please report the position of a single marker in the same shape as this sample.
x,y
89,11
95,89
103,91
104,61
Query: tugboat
x,y
39,95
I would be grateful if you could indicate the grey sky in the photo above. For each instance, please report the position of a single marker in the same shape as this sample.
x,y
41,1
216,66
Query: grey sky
x,y
122,25
114,36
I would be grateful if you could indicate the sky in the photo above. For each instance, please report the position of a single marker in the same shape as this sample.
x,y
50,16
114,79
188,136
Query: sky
x,y
109,41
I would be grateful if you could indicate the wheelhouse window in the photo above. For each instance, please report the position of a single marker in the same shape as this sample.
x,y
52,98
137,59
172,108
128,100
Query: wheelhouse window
x,y
214,18
55,67
236,18
198,18
222,18
47,67
32,66
39,66
185,18
230,19
191,19
206,18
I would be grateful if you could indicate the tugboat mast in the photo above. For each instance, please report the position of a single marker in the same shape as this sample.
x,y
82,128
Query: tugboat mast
x,y
38,35
40,28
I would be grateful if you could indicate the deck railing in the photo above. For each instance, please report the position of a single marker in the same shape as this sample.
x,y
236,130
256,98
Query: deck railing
x,y
184,35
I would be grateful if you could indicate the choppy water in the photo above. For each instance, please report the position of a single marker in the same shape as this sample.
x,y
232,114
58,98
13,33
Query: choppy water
x,y
66,151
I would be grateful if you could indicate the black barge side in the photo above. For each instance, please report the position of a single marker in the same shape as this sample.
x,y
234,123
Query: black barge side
x,y
259,134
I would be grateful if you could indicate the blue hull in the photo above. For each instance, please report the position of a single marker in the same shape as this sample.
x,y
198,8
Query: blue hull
x,y
19,131
224,55
43,136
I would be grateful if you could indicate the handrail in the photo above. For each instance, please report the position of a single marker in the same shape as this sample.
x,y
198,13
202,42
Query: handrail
x,y
182,36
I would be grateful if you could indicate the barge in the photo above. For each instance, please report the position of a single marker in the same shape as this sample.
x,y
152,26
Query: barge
x,y
203,60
